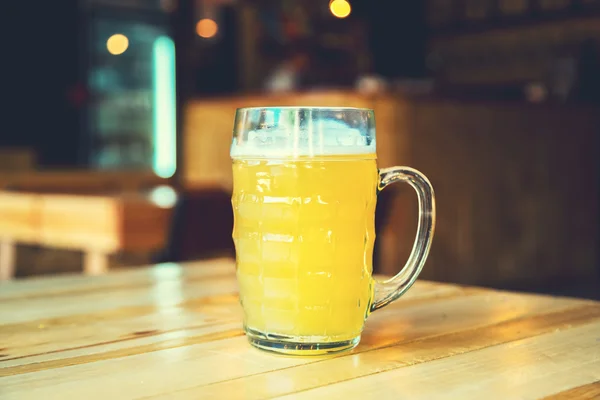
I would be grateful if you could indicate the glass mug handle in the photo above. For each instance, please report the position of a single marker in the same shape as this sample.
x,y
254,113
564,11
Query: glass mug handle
x,y
391,289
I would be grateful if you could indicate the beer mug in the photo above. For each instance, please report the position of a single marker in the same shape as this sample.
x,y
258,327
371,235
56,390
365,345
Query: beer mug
x,y
305,185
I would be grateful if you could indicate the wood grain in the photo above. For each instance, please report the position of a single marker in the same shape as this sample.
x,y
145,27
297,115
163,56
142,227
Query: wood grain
x,y
527,368
586,392
126,278
196,307
374,360
174,331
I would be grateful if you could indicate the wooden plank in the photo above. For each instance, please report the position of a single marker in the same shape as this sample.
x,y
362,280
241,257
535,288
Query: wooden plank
x,y
404,354
80,222
528,369
31,342
19,216
56,334
103,224
160,295
50,335
150,372
126,278
96,225
586,392
33,308
142,344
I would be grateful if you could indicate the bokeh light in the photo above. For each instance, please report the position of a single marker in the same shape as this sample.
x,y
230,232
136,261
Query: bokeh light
x,y
117,44
206,28
340,8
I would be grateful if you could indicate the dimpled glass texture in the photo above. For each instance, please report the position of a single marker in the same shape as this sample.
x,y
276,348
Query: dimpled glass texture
x,y
304,201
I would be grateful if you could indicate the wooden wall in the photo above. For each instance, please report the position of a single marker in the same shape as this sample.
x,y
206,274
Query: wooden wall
x,y
517,191
516,185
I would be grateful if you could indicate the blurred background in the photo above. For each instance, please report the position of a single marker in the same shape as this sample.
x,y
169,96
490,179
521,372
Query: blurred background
x,y
118,118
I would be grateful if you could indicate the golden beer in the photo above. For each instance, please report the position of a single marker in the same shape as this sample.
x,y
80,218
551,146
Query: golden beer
x,y
304,234
305,184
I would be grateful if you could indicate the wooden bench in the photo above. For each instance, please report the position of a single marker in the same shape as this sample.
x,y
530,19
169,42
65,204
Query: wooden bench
x,y
97,225
80,181
19,215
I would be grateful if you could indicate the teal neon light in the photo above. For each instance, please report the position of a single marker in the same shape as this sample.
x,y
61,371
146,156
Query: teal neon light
x,y
164,121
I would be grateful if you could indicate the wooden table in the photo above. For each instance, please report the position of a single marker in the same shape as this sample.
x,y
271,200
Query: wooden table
x,y
97,225
174,331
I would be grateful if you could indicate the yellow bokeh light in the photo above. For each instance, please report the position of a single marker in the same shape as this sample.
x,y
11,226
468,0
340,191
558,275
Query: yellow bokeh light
x,y
206,28
117,44
340,8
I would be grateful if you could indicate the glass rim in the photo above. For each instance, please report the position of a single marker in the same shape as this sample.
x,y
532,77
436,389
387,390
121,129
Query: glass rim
x,y
324,108
291,131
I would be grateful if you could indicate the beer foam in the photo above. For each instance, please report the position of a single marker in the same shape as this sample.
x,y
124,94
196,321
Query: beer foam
x,y
326,137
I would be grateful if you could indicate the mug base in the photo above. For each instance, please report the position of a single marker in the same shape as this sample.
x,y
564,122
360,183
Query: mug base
x,y
298,346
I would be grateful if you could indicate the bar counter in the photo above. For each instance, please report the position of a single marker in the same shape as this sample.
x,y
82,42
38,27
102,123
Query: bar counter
x,y
174,331
515,182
